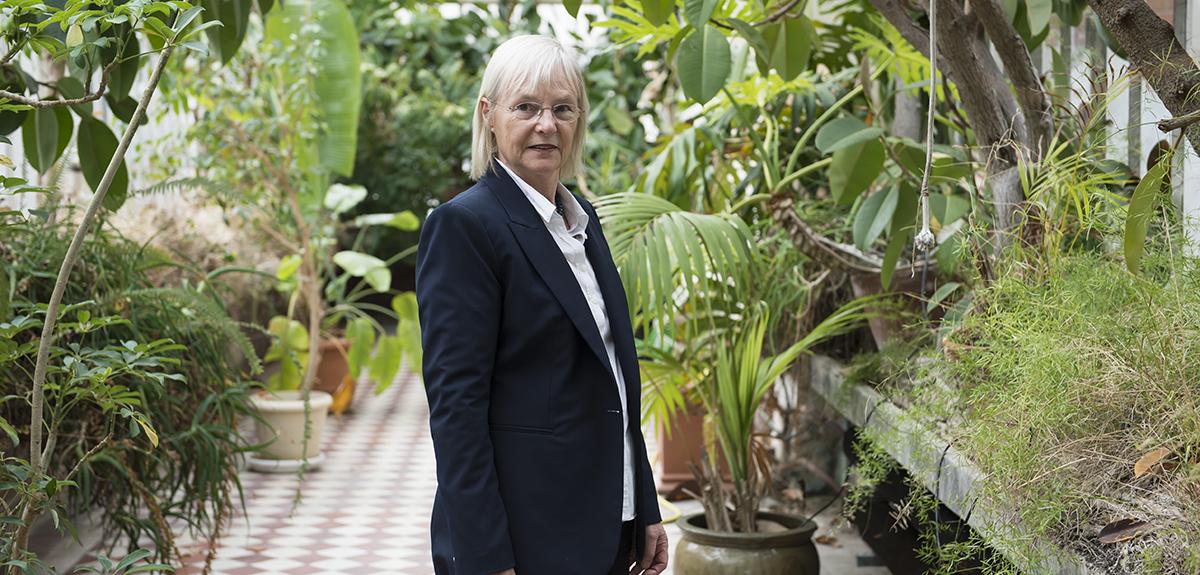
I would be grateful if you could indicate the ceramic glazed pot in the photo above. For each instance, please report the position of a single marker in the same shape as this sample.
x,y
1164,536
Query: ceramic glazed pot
x,y
284,415
789,552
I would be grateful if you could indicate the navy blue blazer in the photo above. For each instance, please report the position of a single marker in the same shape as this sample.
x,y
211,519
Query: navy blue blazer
x,y
523,408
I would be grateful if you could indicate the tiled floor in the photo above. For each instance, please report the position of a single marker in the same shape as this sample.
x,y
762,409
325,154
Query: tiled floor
x,y
366,511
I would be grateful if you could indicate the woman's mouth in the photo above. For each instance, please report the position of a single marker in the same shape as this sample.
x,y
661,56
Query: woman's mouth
x,y
544,147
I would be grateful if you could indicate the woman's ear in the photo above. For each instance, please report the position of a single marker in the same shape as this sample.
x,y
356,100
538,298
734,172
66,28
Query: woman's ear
x,y
486,107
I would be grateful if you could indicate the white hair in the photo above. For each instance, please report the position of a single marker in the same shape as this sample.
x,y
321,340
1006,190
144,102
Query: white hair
x,y
526,63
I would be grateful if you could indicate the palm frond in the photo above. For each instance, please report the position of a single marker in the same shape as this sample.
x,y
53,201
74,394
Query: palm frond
x,y
171,186
668,256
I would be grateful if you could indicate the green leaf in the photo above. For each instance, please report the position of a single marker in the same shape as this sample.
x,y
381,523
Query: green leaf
x,y
361,335
874,215
843,133
1038,12
337,78
1141,207
373,269
40,137
287,267
74,36
97,144
122,76
698,11
572,7
947,209
618,120
340,198
386,361
404,221
853,169
658,11
790,44
10,431
66,128
902,223
940,294
704,62
234,15
754,38
72,89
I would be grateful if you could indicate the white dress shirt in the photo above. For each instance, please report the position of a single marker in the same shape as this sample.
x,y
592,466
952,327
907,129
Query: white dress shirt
x,y
570,234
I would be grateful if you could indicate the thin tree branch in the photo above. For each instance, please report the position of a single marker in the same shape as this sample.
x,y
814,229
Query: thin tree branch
x,y
1031,96
40,103
780,13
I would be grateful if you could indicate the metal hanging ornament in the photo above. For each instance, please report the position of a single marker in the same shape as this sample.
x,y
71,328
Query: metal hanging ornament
x,y
925,239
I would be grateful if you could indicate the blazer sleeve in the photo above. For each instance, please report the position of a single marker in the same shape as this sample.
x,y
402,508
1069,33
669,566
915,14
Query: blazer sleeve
x,y
459,299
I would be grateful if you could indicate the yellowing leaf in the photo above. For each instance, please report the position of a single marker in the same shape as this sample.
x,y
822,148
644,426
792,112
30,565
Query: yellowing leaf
x,y
153,435
1146,462
74,36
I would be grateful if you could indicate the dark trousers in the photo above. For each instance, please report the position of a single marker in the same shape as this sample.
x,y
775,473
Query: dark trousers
x,y
622,562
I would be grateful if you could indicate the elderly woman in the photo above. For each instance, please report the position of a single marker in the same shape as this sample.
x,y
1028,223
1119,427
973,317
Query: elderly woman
x,y
530,367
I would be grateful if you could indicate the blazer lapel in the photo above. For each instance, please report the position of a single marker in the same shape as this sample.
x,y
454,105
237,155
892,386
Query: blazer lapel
x,y
618,311
547,259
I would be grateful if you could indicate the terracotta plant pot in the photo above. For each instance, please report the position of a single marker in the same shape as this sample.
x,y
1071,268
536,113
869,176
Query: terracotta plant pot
x,y
684,444
334,366
283,413
789,551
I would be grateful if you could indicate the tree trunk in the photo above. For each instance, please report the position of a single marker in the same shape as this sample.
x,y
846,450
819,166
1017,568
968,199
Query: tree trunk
x,y
1150,43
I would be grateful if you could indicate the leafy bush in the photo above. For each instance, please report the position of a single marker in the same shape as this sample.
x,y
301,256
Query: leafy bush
x,y
183,385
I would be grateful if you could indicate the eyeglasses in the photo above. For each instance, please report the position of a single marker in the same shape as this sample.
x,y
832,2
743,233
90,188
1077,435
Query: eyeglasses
x,y
526,111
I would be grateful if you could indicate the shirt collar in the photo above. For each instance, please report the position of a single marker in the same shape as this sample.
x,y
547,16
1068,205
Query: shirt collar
x,y
545,208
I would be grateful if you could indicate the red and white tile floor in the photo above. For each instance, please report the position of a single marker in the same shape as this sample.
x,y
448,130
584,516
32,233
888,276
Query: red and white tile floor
x,y
366,511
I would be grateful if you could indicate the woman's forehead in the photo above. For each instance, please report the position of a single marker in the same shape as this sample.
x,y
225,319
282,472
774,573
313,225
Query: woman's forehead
x,y
553,86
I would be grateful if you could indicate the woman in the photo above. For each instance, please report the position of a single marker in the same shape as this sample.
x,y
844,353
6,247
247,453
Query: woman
x,y
529,361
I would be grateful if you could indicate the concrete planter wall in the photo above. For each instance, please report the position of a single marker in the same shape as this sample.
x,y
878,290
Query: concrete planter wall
x,y
941,468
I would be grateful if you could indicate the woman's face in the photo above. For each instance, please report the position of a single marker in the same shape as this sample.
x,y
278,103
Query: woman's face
x,y
533,148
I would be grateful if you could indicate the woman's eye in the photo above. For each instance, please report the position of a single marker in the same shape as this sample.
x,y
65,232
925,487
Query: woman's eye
x,y
563,109
525,107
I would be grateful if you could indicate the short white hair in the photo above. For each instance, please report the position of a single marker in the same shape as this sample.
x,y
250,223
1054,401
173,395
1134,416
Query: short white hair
x,y
526,63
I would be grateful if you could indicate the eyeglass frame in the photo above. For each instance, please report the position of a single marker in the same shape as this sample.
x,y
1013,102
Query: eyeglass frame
x,y
536,117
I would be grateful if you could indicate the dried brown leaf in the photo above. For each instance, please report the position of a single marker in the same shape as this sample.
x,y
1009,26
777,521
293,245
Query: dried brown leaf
x,y
1146,463
829,540
1123,530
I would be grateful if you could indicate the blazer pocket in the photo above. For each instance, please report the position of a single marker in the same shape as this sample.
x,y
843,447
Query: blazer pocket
x,y
520,429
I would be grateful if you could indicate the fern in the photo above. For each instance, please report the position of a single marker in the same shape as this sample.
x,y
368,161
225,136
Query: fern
x,y
195,320
179,184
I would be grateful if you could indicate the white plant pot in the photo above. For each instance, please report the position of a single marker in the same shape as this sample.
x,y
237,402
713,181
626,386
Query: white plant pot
x,y
283,413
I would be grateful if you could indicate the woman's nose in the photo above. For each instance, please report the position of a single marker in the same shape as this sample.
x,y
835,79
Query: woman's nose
x,y
545,123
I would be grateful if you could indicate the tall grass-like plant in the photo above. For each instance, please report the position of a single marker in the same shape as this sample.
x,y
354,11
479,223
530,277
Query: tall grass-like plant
x,y
732,393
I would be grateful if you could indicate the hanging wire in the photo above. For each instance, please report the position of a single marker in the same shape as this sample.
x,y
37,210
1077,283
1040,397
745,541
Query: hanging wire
x,y
925,239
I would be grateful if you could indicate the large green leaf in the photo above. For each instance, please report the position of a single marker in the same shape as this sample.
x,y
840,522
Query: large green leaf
x,y
1141,206
854,168
385,363
361,335
97,144
902,229
72,89
336,80
120,80
572,7
843,133
13,80
40,137
874,216
704,63
658,11
790,44
366,266
1038,12
234,15
698,11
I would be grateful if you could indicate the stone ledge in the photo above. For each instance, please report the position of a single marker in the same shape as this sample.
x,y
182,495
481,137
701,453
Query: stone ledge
x,y
939,466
